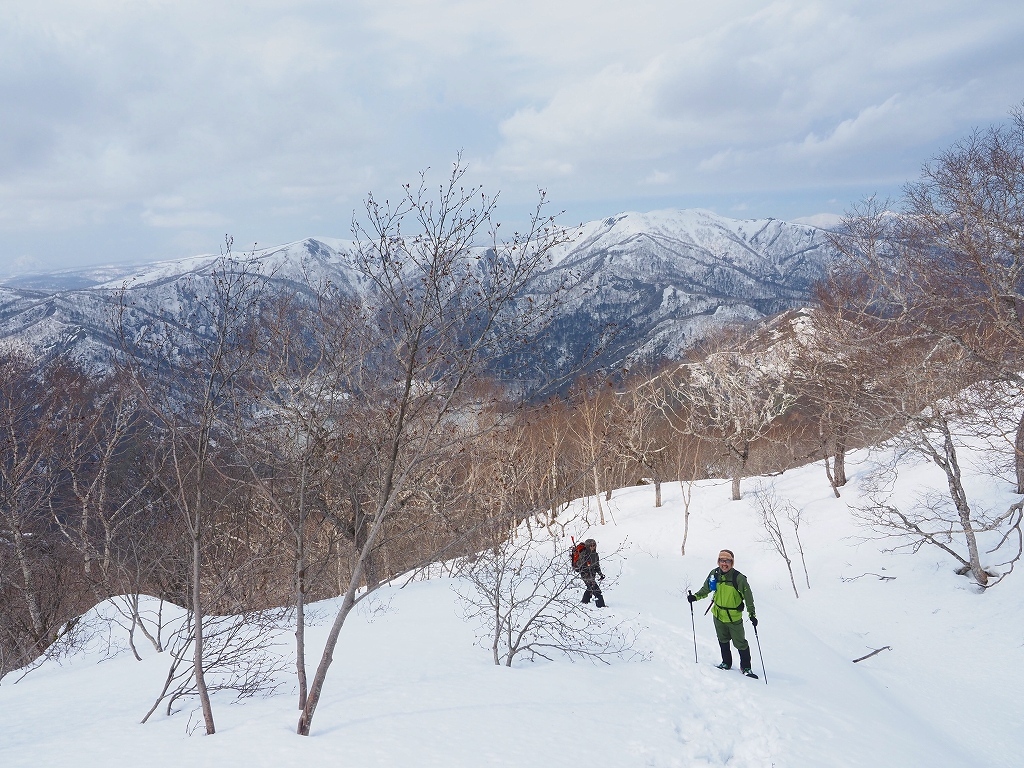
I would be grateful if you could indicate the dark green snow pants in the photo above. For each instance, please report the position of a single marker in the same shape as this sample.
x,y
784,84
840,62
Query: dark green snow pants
x,y
732,630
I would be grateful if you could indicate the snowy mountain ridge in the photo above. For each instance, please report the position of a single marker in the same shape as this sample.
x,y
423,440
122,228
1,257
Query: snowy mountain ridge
x,y
658,280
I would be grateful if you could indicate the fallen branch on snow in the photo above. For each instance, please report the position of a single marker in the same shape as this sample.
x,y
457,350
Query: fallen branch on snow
x,y
880,576
877,650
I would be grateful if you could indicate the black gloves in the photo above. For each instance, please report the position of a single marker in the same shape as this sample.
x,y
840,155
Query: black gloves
x,y
690,598
753,621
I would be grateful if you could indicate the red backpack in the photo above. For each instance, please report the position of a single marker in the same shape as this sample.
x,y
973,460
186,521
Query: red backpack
x,y
576,554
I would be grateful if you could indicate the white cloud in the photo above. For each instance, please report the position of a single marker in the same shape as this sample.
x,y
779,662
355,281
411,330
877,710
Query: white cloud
x,y
658,178
791,91
271,115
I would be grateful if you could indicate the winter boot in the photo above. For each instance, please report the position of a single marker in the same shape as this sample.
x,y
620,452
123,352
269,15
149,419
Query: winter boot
x,y
745,663
726,656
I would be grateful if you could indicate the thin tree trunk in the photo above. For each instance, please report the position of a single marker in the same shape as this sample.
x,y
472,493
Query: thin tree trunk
x,y
839,466
131,638
800,548
369,566
687,491
499,625
300,634
829,475
739,471
1018,452
197,612
554,486
300,592
167,684
792,579
315,689
137,617
32,600
382,510
597,492
956,491
195,522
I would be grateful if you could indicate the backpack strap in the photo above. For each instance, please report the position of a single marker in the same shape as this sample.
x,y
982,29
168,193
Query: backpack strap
x,y
735,585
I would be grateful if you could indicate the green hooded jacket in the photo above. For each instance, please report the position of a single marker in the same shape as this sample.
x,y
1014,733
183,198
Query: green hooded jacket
x,y
732,593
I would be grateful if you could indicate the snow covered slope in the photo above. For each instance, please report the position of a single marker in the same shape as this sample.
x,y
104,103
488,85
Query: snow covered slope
x,y
409,686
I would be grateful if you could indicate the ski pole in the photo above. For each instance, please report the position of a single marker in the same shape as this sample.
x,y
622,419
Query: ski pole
x,y
759,654
694,626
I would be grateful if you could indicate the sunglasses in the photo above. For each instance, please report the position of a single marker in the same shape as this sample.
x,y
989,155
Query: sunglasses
x,y
724,560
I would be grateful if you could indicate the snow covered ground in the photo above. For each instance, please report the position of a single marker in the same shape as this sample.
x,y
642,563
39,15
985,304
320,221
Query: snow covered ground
x,y
410,687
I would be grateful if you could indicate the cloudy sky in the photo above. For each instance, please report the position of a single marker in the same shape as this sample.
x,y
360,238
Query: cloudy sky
x,y
140,129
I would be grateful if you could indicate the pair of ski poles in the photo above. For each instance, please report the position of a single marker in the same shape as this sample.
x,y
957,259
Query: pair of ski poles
x,y
693,624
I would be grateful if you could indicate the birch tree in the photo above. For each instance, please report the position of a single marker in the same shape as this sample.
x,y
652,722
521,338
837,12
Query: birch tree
x,y
731,395
38,425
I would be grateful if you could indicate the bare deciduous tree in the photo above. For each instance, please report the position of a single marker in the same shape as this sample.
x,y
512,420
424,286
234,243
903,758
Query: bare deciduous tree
x,y
593,427
834,372
949,268
640,439
440,304
687,456
795,515
770,507
240,656
295,400
732,395
185,381
939,286
39,409
524,597
947,521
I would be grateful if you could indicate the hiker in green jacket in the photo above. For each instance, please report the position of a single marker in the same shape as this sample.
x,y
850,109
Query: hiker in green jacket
x,y
731,593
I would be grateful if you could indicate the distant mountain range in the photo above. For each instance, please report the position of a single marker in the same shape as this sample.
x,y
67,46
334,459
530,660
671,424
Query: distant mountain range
x,y
648,286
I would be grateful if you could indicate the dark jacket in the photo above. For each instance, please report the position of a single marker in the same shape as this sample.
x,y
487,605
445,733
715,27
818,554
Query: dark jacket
x,y
590,565
732,594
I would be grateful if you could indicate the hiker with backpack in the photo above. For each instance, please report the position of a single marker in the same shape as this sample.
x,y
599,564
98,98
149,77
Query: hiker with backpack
x,y
588,565
730,595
